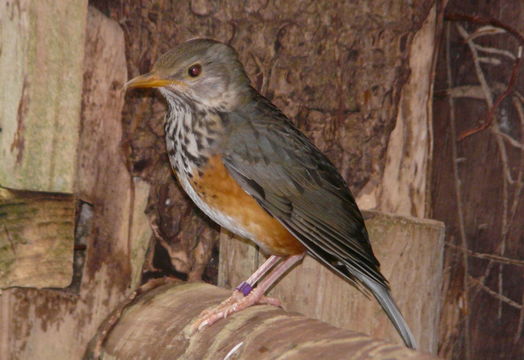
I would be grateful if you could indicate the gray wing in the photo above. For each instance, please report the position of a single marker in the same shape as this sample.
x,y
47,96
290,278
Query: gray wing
x,y
293,181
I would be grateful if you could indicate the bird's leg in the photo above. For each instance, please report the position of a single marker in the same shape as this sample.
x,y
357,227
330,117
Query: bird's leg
x,y
277,273
246,286
208,317
243,298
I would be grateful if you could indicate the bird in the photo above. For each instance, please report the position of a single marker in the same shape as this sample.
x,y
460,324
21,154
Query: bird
x,y
250,170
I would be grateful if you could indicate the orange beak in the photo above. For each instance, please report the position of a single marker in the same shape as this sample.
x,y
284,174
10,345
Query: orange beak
x,y
149,80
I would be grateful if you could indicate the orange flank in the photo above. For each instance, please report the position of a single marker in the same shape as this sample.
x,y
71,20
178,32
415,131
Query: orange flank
x,y
221,192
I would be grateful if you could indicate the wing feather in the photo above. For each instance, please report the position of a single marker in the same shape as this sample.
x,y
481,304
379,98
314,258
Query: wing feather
x,y
293,181
290,178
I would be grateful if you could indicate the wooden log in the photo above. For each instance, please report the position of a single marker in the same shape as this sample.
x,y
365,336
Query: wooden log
x,y
410,251
36,239
41,69
156,326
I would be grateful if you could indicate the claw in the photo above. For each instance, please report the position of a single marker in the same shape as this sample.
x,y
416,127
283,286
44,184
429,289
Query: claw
x,y
237,302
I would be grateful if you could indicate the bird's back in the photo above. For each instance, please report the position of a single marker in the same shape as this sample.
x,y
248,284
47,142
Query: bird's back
x,y
295,182
292,180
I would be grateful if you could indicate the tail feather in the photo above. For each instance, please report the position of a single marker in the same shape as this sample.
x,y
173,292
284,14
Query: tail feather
x,y
383,296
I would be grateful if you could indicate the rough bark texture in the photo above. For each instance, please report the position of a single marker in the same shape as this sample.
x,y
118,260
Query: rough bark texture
x,y
478,181
337,69
58,323
40,87
156,326
311,289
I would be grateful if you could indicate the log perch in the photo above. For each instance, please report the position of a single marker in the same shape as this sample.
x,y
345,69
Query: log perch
x,y
155,325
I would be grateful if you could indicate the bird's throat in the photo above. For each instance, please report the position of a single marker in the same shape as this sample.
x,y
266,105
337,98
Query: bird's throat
x,y
192,134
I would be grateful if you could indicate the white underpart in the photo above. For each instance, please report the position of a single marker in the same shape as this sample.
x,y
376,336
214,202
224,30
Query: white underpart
x,y
183,117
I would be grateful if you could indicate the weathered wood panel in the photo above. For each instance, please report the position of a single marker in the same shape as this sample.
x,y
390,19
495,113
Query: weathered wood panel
x,y
36,239
55,323
410,252
41,68
478,184
156,326
404,187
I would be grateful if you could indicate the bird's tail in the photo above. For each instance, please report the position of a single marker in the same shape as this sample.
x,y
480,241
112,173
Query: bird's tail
x,y
383,296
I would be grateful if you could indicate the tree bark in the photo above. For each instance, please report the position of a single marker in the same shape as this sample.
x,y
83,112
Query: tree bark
x,y
346,73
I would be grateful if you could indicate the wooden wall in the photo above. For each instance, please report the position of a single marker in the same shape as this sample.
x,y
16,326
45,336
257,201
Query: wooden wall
x,y
478,179
355,76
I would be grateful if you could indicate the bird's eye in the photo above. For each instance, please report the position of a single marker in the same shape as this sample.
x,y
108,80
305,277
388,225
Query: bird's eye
x,y
194,70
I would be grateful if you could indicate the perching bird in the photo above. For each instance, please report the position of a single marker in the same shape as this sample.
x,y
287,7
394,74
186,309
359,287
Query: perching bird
x,y
246,166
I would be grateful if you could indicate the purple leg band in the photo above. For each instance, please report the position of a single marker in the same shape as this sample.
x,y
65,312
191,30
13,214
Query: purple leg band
x,y
244,288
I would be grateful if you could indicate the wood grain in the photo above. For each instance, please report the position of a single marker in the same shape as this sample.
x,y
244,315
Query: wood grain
x,y
155,326
477,182
36,239
40,87
55,323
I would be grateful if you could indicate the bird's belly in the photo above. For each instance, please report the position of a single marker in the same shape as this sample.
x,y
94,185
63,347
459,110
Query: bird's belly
x,y
219,196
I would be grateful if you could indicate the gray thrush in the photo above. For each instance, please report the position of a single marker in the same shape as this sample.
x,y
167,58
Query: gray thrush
x,y
248,168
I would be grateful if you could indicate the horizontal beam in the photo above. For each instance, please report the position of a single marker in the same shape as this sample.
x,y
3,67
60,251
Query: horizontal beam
x,y
155,326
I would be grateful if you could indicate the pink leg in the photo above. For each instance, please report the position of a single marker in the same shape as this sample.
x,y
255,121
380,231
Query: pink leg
x,y
247,285
238,301
263,269
278,272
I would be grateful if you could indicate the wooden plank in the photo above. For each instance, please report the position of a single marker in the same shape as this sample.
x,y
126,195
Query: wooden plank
x,y
404,185
36,239
477,181
140,231
156,326
410,251
236,260
56,324
41,69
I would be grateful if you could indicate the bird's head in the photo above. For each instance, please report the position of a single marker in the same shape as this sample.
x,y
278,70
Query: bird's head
x,y
204,71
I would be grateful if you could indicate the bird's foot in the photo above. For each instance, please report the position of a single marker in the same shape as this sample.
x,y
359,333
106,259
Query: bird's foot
x,y
236,302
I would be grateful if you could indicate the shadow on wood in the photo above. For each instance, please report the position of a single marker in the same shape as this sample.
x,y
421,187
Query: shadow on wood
x,y
155,325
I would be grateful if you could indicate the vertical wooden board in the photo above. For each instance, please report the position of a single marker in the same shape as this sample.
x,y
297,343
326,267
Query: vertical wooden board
x,y
41,68
404,185
237,258
36,239
410,251
140,230
477,179
53,324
